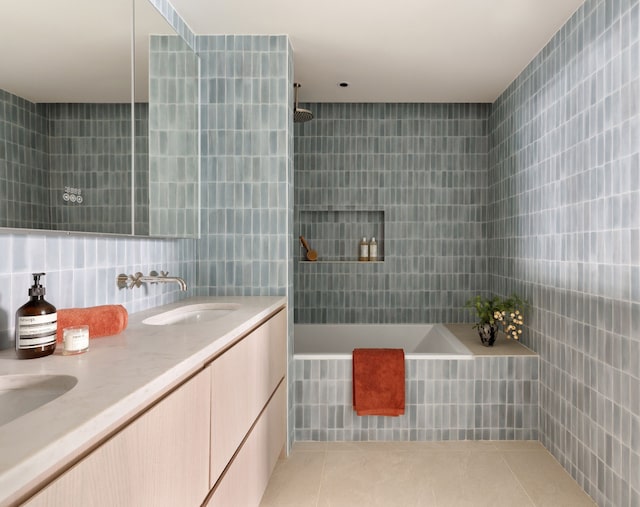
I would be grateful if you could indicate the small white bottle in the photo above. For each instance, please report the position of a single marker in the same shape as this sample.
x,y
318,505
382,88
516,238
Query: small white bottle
x,y
363,250
373,249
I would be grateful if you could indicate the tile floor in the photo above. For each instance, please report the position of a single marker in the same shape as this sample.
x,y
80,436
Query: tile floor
x,y
438,474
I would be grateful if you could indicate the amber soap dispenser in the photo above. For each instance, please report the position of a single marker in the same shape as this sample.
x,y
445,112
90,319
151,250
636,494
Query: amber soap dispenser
x,y
36,324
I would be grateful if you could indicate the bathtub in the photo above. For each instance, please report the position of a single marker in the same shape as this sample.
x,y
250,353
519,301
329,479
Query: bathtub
x,y
337,341
450,393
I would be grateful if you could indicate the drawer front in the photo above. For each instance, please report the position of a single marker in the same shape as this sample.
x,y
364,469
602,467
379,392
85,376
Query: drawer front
x,y
160,459
246,479
242,380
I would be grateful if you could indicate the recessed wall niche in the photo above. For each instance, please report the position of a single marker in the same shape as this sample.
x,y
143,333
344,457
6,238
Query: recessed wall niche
x,y
336,233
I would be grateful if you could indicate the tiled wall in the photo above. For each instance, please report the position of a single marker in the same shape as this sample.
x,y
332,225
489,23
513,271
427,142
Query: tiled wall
x,y
564,231
245,165
246,243
424,168
174,169
486,398
82,270
24,163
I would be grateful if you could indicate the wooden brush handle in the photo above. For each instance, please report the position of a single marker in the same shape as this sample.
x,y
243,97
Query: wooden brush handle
x,y
304,243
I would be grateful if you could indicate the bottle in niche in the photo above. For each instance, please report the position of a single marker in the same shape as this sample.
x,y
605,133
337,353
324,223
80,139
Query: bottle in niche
x,y
373,249
36,324
363,250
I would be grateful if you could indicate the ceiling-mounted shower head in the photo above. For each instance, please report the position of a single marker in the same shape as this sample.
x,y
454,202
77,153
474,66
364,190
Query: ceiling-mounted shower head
x,y
300,115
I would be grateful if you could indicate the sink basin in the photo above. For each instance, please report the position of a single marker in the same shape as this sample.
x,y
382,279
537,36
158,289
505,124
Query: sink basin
x,y
192,314
20,394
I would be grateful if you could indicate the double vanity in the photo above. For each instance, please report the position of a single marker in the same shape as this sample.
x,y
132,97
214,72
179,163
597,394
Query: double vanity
x,y
186,407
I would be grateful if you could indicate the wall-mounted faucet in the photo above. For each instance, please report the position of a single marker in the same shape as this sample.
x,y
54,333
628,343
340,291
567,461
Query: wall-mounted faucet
x,y
136,280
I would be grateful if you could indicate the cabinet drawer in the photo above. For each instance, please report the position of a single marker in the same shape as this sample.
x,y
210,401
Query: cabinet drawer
x,y
160,459
242,381
246,479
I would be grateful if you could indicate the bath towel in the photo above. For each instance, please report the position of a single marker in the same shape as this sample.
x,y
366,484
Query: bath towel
x,y
105,320
378,381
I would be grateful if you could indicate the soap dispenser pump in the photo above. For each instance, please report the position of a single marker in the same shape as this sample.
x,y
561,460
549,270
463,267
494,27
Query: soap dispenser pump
x,y
36,324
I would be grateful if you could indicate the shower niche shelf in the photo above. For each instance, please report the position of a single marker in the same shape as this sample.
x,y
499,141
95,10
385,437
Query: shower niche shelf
x,y
335,233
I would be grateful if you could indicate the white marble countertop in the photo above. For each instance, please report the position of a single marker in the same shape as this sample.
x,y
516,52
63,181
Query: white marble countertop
x,y
117,378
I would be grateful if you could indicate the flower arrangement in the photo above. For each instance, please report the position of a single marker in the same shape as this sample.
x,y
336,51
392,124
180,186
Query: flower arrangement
x,y
495,311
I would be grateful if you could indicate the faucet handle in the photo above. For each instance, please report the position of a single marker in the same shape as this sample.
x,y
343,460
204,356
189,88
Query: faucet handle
x,y
136,280
164,273
122,281
153,273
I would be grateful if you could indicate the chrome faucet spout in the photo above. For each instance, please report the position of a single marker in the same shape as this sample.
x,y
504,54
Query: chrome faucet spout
x,y
136,280
165,279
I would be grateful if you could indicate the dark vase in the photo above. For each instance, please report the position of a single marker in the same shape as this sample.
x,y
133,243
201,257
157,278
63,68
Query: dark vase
x,y
487,334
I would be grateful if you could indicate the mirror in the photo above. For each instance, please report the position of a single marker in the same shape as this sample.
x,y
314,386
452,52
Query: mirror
x,y
67,157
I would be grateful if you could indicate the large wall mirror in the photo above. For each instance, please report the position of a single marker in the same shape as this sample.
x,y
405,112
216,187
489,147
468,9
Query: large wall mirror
x,y
81,148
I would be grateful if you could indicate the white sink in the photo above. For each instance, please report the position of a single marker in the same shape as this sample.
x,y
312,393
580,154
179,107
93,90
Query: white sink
x,y
20,394
192,314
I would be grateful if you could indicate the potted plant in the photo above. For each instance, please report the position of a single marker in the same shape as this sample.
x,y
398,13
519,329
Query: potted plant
x,y
495,312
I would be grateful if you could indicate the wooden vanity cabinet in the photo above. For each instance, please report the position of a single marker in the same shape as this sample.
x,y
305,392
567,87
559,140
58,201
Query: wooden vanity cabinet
x,y
214,439
159,459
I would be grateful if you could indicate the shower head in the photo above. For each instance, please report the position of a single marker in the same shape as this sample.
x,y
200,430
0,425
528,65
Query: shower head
x,y
300,115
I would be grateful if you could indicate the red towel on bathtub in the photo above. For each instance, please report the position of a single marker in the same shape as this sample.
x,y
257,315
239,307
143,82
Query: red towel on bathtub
x,y
378,381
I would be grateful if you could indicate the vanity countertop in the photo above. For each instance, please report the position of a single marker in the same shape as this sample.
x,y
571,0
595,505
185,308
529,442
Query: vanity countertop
x,y
117,378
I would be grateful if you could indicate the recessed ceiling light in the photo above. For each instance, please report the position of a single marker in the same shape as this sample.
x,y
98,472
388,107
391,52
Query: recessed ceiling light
x,y
343,84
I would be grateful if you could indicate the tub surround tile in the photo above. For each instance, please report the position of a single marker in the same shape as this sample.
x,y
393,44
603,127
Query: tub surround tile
x,y
420,169
486,398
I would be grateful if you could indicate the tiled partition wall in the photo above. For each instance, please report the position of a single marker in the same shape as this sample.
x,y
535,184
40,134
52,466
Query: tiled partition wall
x,y
485,398
174,169
24,163
247,173
245,166
423,168
564,231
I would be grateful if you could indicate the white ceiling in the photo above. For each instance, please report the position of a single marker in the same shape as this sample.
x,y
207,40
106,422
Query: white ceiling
x,y
394,51
75,50
402,51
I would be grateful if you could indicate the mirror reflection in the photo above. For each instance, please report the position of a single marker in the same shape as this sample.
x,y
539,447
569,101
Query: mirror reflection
x,y
67,137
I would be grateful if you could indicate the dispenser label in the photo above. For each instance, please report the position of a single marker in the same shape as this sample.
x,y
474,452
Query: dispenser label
x,y
37,331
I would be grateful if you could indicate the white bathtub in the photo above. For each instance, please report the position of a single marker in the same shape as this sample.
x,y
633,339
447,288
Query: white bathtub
x,y
337,341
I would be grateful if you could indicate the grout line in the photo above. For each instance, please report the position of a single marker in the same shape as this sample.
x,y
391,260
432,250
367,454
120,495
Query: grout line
x,y
518,480
324,463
